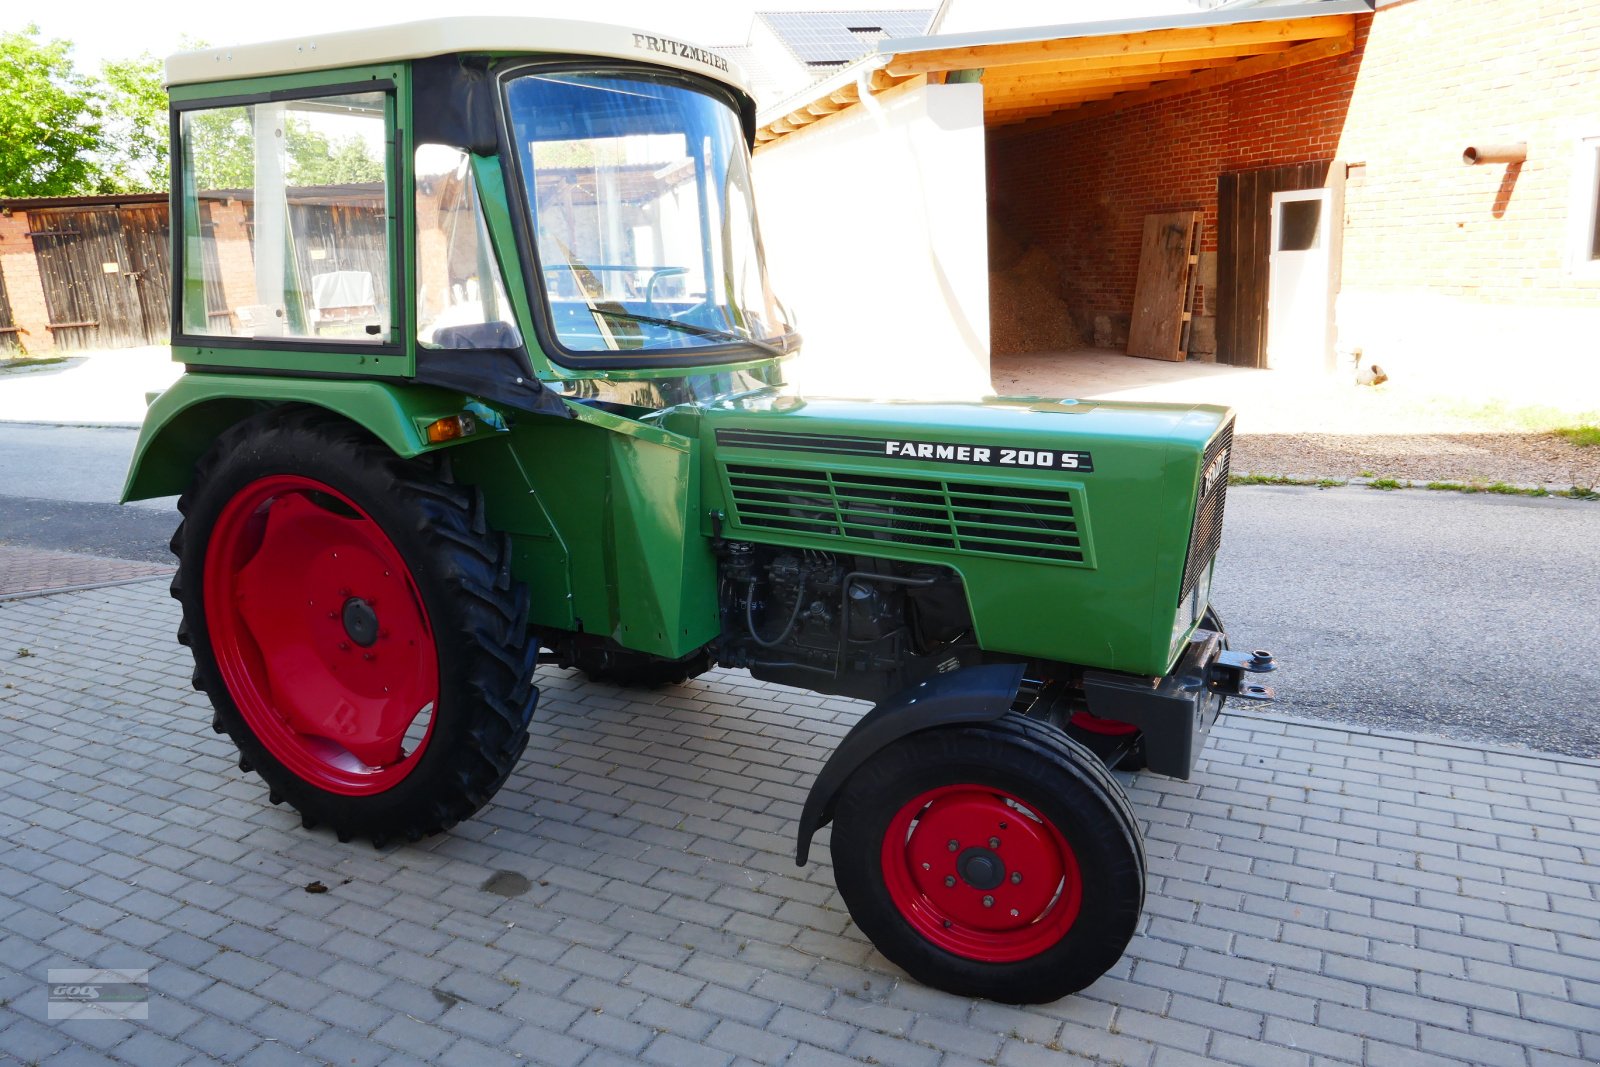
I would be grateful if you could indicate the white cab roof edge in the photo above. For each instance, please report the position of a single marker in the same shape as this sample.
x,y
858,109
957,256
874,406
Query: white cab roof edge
x,y
433,37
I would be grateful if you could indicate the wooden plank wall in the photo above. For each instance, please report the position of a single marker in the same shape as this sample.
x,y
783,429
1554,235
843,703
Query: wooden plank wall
x,y
1244,236
352,235
10,343
1168,258
105,274
147,237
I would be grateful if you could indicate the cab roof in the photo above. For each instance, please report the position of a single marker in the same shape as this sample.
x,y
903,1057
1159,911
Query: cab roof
x,y
434,37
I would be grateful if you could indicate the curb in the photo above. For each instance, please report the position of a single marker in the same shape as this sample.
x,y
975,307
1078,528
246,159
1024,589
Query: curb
x,y
1443,740
1532,491
45,424
28,594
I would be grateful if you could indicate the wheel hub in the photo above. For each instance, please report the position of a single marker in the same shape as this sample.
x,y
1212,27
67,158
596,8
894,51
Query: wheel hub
x,y
360,622
980,874
981,868
295,573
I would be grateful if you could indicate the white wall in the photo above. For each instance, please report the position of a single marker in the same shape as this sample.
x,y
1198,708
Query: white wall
x,y
877,241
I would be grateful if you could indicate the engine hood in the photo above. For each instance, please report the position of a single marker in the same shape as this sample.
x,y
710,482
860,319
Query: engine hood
x,y
1069,431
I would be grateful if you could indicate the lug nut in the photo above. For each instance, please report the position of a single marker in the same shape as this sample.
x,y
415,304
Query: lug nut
x,y
1016,877
954,844
1015,913
949,881
994,842
988,902
927,866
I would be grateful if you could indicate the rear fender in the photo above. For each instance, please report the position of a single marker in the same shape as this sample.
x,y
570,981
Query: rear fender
x,y
969,695
185,419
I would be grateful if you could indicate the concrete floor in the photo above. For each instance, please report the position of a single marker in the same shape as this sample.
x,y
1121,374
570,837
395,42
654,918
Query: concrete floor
x,y
1278,402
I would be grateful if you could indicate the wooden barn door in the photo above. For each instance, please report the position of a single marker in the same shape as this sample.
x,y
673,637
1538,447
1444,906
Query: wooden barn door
x,y
10,342
105,274
147,237
1244,245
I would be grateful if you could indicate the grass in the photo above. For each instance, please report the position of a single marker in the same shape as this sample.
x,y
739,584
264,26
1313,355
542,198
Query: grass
x,y
39,361
1582,436
1533,418
1577,492
1498,488
1284,479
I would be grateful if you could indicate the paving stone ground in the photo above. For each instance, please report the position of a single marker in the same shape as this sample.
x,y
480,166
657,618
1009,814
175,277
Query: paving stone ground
x,y
1317,895
26,571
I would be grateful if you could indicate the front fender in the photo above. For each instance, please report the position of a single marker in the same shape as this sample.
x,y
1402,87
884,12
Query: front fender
x,y
186,418
972,694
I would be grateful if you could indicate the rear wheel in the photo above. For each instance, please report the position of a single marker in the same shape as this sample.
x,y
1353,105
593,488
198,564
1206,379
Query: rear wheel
x,y
997,860
354,623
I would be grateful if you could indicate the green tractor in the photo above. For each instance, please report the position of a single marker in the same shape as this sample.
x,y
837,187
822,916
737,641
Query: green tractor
x,y
483,372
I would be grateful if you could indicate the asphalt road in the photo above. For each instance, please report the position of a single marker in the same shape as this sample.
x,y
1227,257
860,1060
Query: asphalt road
x,y
59,487
1430,612
1469,616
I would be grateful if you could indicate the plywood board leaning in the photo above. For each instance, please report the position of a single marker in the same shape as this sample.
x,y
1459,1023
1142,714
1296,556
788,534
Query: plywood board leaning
x,y
1169,255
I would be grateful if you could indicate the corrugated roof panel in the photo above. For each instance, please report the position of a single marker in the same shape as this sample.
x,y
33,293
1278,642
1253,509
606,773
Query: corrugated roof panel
x,y
827,38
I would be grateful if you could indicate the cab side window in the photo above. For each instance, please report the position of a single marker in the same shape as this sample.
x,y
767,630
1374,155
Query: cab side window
x,y
461,298
285,220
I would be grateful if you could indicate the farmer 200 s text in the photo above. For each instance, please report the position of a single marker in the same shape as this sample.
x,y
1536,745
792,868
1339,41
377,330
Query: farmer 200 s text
x,y
482,361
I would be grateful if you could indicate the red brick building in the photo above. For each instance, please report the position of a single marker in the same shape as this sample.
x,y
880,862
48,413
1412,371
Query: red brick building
x,y
1331,127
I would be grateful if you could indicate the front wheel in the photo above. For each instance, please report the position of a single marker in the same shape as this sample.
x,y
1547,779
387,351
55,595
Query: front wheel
x,y
997,860
354,622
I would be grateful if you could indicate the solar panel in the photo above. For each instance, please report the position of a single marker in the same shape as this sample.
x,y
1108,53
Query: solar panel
x,y
828,38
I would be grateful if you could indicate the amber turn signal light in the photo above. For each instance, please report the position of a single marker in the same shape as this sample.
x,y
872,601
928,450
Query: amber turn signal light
x,y
450,428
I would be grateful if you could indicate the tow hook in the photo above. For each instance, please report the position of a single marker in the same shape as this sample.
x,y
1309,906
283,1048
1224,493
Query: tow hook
x,y
1226,675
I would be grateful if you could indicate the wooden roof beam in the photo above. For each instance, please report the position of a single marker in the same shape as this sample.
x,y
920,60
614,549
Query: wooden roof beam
x,y
825,106
1244,35
1067,89
1002,116
1178,59
1245,68
1006,82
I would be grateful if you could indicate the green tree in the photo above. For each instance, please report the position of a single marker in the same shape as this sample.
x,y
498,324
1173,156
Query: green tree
x,y
133,152
222,152
50,119
317,159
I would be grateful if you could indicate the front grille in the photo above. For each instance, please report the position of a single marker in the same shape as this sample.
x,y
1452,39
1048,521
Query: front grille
x,y
1206,537
997,520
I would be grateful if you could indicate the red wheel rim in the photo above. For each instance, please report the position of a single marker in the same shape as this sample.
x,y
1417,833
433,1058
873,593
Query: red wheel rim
x,y
320,634
980,874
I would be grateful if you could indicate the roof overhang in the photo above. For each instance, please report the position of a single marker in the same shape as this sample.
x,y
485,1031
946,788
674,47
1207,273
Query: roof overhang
x,y
1075,72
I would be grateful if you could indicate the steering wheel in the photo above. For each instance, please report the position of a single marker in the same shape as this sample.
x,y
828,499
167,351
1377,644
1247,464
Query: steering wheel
x,y
650,286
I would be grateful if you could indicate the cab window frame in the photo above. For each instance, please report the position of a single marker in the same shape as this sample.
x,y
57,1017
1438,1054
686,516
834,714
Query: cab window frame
x,y
328,355
578,361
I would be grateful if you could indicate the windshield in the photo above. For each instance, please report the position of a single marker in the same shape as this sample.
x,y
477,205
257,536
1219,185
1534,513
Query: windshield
x,y
639,191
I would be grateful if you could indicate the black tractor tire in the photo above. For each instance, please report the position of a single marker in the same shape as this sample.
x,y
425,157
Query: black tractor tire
x,y
1039,774
459,575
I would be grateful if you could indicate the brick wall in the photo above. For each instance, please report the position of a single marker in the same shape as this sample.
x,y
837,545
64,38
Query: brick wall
x,y
23,286
1422,231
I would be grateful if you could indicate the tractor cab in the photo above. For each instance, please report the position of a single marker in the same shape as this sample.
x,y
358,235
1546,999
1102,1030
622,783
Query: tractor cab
x,y
541,204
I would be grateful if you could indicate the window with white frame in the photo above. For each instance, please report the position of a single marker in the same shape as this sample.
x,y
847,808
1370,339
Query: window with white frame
x,y
1584,217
